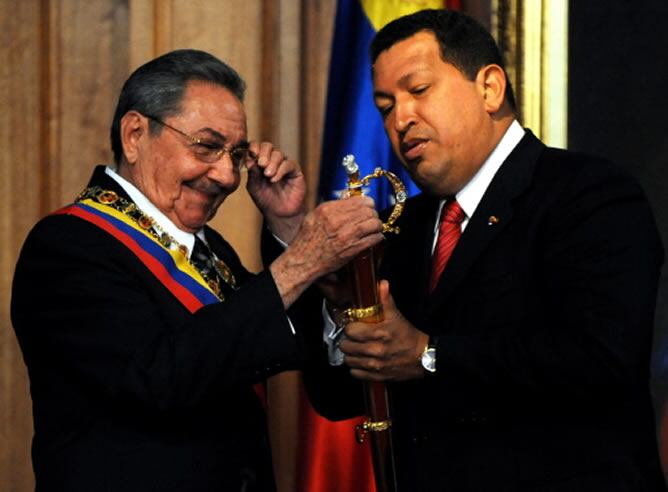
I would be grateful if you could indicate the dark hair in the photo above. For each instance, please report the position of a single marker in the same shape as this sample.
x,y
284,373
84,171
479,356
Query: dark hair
x,y
156,88
464,42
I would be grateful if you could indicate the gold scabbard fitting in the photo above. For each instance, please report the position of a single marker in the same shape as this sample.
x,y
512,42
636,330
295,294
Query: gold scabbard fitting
x,y
360,314
361,430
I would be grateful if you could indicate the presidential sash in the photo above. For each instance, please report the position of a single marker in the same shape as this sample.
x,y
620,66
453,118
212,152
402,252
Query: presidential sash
x,y
170,266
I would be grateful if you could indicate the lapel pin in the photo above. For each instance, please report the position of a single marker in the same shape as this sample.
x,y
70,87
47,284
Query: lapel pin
x,y
493,219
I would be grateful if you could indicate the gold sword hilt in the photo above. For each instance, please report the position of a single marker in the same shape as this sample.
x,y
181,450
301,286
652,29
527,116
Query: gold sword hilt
x,y
355,186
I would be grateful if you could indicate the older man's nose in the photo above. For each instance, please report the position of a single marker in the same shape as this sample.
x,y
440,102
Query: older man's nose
x,y
224,171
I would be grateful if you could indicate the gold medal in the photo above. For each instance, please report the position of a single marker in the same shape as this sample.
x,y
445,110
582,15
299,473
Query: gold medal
x,y
225,272
165,240
145,222
107,197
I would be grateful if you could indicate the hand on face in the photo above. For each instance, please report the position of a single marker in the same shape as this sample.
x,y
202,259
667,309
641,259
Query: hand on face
x,y
277,186
385,351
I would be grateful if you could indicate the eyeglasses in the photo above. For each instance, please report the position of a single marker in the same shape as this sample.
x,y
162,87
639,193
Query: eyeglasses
x,y
210,151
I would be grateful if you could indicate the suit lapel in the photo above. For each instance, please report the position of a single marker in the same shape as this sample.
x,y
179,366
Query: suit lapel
x,y
512,179
408,254
426,243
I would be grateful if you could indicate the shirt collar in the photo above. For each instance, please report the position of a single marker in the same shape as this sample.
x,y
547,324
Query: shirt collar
x,y
187,239
470,196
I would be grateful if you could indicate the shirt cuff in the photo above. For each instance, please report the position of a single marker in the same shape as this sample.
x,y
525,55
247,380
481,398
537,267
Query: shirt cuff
x,y
332,335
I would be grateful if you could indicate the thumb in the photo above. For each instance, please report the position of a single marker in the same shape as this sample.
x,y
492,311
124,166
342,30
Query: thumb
x,y
254,181
386,299
254,173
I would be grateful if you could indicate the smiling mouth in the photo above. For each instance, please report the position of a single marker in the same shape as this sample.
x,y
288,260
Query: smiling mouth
x,y
208,188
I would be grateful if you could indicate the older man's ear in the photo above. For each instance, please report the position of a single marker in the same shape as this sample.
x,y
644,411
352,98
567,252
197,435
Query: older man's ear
x,y
133,126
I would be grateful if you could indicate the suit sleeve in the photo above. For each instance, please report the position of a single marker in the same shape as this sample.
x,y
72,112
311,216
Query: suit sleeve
x,y
331,390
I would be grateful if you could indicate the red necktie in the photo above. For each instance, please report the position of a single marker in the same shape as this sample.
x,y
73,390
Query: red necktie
x,y
449,232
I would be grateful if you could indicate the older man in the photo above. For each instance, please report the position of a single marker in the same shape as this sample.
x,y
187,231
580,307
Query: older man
x,y
142,332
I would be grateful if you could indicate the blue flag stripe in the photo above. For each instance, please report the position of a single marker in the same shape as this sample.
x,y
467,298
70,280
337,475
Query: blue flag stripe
x,y
353,125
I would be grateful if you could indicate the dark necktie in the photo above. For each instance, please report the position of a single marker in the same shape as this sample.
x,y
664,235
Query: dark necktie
x,y
202,257
449,231
211,269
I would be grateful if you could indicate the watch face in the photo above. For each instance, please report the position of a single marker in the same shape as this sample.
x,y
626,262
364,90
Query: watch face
x,y
429,359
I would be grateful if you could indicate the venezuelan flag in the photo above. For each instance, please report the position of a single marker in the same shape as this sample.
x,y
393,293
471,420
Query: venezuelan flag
x,y
352,124
330,458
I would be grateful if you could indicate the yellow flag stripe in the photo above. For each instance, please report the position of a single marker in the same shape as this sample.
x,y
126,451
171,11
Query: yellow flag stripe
x,y
381,12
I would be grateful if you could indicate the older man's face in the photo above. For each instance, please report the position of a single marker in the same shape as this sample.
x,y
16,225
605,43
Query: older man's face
x,y
168,168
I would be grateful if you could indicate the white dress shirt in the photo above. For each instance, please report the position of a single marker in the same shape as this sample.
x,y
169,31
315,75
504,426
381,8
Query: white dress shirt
x,y
470,195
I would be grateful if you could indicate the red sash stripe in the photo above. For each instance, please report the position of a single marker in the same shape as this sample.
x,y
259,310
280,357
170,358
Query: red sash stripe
x,y
185,296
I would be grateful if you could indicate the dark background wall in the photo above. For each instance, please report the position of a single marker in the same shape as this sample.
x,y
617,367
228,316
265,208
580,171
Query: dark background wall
x,y
618,108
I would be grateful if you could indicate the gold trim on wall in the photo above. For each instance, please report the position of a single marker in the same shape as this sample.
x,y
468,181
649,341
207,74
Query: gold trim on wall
x,y
533,37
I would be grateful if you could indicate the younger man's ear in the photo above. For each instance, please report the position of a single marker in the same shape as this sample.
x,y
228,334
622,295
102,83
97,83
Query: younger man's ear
x,y
491,82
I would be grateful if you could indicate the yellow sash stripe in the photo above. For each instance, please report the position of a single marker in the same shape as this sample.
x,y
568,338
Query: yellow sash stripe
x,y
179,259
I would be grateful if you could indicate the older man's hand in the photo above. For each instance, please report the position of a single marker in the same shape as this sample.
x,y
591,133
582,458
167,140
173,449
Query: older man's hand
x,y
277,186
385,351
329,237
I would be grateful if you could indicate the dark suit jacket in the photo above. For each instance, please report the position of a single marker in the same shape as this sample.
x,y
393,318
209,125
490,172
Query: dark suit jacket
x,y
543,323
130,391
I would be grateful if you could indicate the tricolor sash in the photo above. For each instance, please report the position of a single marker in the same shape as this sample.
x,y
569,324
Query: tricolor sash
x,y
170,267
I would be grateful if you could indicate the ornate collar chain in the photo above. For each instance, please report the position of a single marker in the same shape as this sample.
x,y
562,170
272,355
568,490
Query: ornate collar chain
x,y
111,199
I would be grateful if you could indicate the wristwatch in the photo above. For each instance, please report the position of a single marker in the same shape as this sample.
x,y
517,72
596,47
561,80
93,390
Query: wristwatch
x,y
428,358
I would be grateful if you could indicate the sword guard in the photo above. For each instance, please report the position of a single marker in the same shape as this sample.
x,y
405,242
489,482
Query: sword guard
x,y
356,184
